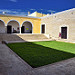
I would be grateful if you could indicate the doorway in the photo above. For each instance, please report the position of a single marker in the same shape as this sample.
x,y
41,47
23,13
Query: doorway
x,y
23,29
27,27
9,29
64,32
43,29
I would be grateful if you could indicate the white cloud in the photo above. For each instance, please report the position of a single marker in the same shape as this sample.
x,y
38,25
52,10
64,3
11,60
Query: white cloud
x,y
32,9
13,0
50,11
21,12
17,12
4,10
8,11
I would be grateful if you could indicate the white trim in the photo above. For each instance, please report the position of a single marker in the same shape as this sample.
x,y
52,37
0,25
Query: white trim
x,y
29,22
67,29
3,22
73,9
13,20
21,16
41,28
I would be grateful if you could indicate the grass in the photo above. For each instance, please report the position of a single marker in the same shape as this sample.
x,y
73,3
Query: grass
x,y
42,53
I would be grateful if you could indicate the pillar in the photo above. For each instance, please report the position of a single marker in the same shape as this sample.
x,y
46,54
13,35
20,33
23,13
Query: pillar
x,y
20,30
5,29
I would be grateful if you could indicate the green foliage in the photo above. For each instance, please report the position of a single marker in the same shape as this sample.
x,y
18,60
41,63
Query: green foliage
x,y
42,53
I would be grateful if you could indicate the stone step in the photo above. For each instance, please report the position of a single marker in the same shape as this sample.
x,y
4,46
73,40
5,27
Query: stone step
x,y
21,37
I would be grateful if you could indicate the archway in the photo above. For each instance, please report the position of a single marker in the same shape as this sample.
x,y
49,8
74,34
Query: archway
x,y
26,27
2,27
13,27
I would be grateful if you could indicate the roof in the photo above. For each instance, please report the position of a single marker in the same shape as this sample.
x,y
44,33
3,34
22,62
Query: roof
x,y
20,16
73,9
37,14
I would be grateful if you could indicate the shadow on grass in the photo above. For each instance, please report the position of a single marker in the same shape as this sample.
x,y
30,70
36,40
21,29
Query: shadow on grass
x,y
38,55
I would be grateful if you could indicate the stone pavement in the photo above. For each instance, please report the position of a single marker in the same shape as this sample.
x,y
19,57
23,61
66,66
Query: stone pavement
x,y
28,41
66,67
12,64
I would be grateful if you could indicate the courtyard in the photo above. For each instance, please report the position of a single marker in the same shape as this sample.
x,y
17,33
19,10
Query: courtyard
x,y
38,54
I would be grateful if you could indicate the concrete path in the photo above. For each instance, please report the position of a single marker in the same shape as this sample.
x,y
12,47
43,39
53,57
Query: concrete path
x,y
11,64
28,41
66,67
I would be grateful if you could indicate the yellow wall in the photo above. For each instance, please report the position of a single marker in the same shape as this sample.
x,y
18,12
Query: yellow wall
x,y
40,15
35,21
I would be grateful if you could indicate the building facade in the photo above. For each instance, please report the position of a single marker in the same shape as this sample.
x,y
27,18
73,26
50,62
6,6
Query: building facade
x,y
60,25
17,24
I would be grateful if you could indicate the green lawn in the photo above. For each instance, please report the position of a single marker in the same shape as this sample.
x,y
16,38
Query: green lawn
x,y
42,53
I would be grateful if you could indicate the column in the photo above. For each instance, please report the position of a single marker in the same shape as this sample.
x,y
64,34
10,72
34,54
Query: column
x,y
20,30
5,29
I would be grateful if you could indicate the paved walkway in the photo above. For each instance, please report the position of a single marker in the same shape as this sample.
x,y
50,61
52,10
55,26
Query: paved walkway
x,y
11,64
28,41
66,67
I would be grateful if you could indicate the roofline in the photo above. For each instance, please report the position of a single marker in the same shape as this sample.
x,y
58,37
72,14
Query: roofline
x,y
59,13
36,12
21,16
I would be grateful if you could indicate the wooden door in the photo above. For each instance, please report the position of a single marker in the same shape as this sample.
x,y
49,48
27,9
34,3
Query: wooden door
x,y
64,32
9,29
23,29
43,28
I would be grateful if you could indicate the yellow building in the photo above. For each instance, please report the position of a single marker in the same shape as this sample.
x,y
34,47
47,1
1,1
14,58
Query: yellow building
x,y
59,25
36,14
19,24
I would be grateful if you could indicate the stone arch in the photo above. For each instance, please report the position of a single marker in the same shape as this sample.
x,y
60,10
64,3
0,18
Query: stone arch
x,y
27,27
2,26
13,26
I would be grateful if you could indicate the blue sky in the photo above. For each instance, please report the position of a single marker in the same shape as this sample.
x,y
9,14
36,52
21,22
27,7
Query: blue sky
x,y
21,7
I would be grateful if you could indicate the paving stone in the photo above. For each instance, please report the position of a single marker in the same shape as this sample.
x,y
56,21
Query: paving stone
x,y
66,67
12,64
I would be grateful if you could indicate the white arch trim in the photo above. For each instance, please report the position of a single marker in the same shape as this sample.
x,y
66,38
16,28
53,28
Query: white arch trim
x,y
3,22
2,30
41,28
29,22
13,20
